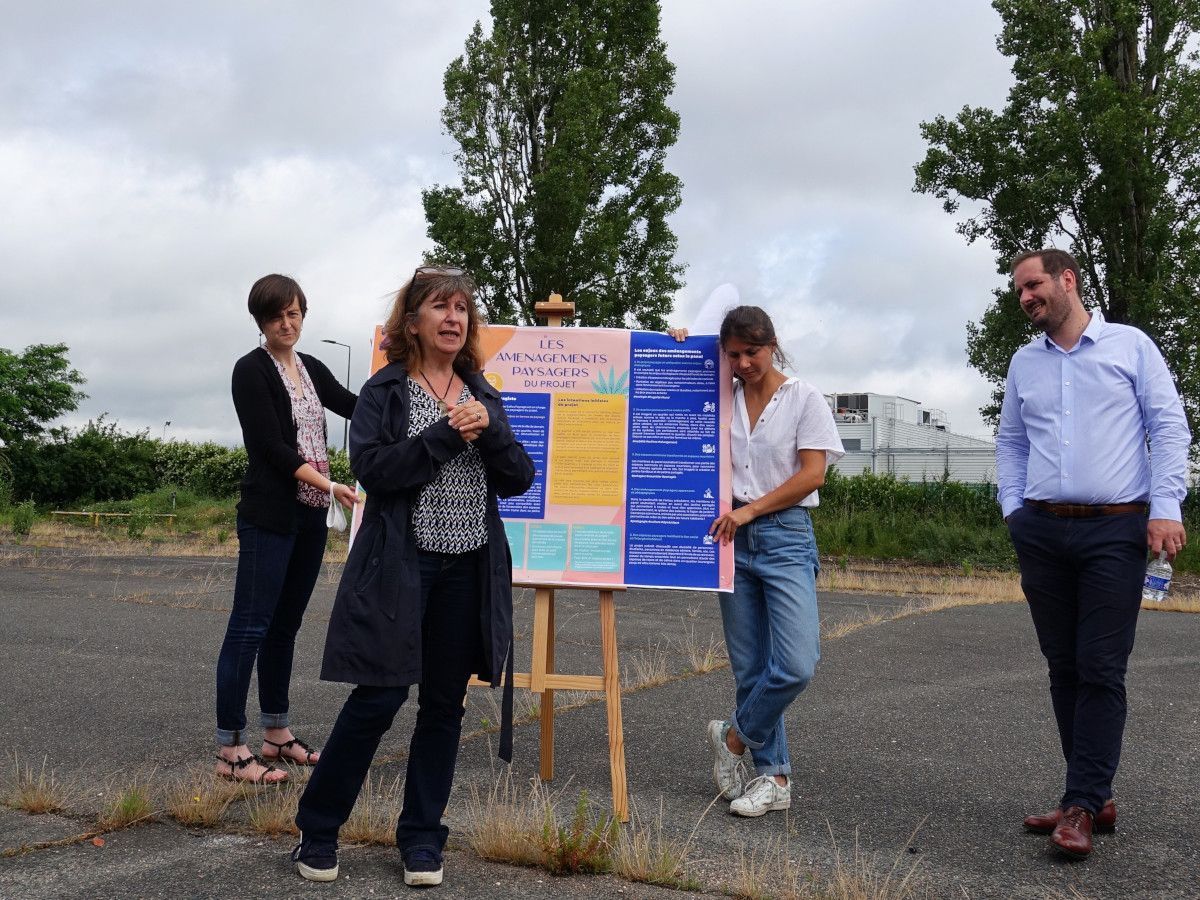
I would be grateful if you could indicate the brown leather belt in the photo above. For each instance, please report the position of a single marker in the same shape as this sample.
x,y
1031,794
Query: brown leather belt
x,y
1088,510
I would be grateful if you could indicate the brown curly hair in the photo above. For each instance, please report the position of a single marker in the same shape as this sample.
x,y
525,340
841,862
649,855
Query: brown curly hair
x,y
429,284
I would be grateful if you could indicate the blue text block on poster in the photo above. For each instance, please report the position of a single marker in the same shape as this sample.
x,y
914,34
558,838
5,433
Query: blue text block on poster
x,y
674,461
547,547
596,548
529,417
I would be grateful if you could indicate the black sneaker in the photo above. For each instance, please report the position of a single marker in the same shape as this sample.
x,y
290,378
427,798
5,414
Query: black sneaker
x,y
316,861
422,867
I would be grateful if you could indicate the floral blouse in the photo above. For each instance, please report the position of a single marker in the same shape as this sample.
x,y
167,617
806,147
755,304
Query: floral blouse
x,y
309,416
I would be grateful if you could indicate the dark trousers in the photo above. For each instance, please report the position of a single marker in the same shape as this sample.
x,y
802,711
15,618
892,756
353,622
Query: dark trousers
x,y
450,648
275,577
1083,580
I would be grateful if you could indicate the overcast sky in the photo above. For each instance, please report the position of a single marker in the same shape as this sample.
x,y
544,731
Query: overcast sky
x,y
156,158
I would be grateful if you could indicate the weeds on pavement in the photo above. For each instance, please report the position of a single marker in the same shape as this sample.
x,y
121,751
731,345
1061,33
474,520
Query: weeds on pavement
x,y
647,668
581,845
770,871
702,656
197,800
272,809
643,853
373,819
504,823
37,791
129,802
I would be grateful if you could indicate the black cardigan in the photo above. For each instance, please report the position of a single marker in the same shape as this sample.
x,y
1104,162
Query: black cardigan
x,y
264,409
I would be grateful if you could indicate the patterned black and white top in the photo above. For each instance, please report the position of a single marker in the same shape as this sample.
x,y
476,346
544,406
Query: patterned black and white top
x,y
449,515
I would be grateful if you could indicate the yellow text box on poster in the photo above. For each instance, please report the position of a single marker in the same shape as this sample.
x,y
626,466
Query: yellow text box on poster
x,y
587,450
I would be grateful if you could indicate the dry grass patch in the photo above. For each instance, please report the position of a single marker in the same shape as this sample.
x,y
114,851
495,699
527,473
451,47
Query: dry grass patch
x,y
504,824
1178,602
849,626
271,809
373,819
647,668
643,853
113,540
37,791
524,828
702,656
992,587
771,872
196,800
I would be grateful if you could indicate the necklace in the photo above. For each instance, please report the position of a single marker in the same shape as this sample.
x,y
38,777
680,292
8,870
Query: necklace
x,y
443,408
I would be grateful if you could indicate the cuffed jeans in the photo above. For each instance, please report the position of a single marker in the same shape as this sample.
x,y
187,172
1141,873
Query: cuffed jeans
x,y
450,649
1083,580
772,630
275,578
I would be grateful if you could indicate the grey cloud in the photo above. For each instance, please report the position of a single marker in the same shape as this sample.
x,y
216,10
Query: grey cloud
x,y
156,159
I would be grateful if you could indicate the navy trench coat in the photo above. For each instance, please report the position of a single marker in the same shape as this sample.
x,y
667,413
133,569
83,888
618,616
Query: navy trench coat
x,y
374,635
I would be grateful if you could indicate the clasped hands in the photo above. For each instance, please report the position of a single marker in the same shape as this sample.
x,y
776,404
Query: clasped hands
x,y
469,419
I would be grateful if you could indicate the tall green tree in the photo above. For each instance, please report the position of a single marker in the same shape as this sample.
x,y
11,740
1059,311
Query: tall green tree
x,y
36,387
562,125
1097,148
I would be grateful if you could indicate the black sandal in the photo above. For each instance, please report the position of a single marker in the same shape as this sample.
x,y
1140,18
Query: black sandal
x,y
245,761
309,752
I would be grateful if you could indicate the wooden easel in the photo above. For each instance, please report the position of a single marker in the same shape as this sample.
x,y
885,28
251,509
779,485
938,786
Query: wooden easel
x,y
542,679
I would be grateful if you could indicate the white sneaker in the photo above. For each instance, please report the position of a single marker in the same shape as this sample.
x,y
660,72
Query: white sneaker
x,y
762,796
728,771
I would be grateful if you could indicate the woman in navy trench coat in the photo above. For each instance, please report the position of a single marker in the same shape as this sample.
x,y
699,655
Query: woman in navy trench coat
x,y
426,594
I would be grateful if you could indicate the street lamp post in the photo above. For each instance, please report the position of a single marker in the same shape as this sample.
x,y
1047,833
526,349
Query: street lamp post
x,y
166,425
346,424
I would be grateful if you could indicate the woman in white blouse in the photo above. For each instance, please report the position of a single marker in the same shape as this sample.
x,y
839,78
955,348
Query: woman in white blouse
x,y
783,439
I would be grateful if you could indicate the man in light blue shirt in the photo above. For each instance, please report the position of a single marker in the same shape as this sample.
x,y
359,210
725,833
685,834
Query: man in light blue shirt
x,y
1084,499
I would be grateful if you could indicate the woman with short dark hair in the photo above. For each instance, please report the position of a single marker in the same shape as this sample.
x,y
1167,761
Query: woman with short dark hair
x,y
280,396
426,595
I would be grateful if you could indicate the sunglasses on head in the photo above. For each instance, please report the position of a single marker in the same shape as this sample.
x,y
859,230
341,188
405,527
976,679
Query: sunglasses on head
x,y
447,271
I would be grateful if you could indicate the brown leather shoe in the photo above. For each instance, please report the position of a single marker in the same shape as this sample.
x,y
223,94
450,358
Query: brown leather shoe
x,y
1073,834
1106,820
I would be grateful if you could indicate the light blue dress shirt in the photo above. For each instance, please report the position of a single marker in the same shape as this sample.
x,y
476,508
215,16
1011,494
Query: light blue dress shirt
x,y
1074,424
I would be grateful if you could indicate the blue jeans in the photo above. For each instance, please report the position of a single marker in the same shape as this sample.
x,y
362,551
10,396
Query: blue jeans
x,y
451,644
1083,581
772,629
275,578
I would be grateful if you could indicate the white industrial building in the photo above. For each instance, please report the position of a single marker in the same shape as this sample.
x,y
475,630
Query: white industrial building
x,y
886,434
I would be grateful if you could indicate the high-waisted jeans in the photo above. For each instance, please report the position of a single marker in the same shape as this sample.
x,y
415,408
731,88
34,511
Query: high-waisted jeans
x,y
450,648
772,629
275,578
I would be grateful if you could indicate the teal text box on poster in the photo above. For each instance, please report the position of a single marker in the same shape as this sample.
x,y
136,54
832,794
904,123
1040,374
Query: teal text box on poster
x,y
596,548
547,547
516,542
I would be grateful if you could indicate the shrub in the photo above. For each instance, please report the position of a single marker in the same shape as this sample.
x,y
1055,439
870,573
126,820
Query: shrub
x,y
23,515
6,492
97,462
209,469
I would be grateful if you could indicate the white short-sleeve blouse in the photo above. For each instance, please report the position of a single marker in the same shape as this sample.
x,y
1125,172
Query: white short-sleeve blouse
x,y
796,418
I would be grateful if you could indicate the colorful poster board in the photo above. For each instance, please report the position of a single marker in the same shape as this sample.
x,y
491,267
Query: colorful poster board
x,y
629,434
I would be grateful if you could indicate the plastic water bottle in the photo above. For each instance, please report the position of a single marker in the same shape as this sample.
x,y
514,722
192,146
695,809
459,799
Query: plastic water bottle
x,y
1158,579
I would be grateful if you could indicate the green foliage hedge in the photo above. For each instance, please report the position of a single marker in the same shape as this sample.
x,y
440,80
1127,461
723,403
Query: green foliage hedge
x,y
99,462
938,522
